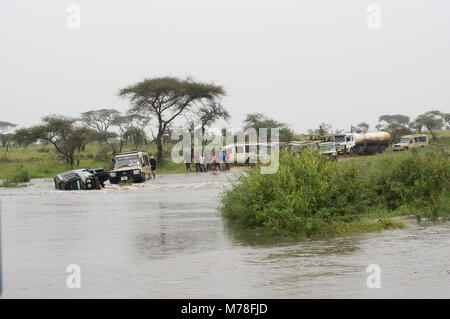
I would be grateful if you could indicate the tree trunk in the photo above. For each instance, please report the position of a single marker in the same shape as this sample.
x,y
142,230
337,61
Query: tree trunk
x,y
121,146
160,147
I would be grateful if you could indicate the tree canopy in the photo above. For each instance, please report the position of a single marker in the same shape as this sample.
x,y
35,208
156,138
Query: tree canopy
x,y
395,119
259,120
211,113
166,98
432,120
63,135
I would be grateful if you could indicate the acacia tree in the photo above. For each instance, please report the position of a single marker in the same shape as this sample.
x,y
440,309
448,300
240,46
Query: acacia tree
x,y
63,135
211,113
259,120
4,137
432,120
129,125
395,119
101,120
396,131
167,98
363,126
323,129
447,119
23,137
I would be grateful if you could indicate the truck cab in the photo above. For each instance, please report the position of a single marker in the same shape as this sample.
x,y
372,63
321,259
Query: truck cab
x,y
130,166
344,143
408,142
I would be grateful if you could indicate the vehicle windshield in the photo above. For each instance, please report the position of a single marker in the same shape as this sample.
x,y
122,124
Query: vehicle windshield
x,y
325,148
124,161
339,138
404,140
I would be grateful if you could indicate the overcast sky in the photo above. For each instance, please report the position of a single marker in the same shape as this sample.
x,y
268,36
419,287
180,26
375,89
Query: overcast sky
x,y
301,62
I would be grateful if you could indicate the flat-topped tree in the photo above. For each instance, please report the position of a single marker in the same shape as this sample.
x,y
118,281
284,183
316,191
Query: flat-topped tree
x,y
101,120
396,119
130,125
6,126
61,132
432,120
166,98
210,114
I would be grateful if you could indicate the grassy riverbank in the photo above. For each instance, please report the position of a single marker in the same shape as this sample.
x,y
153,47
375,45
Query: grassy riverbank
x,y
311,194
40,161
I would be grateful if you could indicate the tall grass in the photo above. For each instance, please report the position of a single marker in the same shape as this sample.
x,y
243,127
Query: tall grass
x,y
311,194
15,178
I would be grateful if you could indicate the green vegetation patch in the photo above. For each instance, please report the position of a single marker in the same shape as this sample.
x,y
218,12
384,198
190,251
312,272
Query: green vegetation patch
x,y
15,179
313,195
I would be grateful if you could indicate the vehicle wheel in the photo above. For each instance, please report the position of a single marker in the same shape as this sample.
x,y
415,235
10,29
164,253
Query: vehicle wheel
x,y
405,149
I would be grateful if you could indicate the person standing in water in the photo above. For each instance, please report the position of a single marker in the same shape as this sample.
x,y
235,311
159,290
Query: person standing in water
x,y
153,166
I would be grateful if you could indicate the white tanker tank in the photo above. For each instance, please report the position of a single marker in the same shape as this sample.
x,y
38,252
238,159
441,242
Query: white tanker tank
x,y
371,142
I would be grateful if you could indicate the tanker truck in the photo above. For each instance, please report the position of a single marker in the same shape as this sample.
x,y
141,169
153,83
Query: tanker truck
x,y
363,143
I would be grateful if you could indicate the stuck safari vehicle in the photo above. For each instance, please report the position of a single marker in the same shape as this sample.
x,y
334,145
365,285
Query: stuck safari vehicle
x,y
328,149
79,179
130,166
411,141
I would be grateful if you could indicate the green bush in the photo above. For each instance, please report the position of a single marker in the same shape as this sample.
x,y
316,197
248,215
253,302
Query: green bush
x,y
20,176
311,194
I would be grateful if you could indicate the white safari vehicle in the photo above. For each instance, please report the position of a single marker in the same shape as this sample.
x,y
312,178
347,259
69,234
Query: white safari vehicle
x,y
408,142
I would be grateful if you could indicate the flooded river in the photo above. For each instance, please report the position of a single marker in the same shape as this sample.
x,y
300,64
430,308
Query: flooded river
x,y
166,239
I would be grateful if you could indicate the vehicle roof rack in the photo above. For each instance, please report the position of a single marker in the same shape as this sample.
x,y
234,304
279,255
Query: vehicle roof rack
x,y
130,152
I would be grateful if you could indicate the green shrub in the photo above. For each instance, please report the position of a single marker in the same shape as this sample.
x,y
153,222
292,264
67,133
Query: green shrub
x,y
19,176
311,194
43,150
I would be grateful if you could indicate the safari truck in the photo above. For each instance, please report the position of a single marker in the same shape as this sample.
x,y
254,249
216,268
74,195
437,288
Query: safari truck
x,y
248,152
408,142
367,143
296,147
130,166
84,178
328,149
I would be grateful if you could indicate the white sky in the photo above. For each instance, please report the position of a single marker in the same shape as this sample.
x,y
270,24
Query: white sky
x,y
301,62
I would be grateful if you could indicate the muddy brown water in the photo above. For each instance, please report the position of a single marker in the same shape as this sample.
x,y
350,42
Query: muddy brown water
x,y
166,239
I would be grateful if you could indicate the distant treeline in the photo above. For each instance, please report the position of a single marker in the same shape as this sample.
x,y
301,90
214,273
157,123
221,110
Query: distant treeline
x,y
157,103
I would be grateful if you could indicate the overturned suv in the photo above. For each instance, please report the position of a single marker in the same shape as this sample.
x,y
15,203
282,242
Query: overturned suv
x,y
130,167
79,179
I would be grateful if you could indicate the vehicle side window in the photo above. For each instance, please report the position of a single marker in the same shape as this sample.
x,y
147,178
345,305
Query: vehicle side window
x,y
422,139
239,149
247,148
416,140
410,141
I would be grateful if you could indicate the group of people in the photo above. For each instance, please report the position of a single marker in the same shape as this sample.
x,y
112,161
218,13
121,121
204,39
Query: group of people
x,y
214,162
